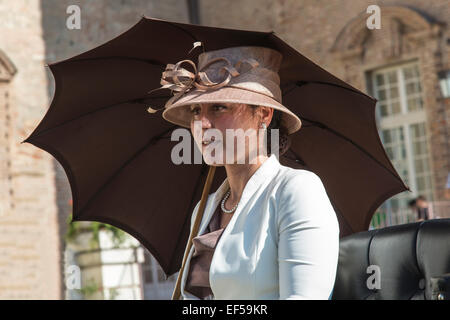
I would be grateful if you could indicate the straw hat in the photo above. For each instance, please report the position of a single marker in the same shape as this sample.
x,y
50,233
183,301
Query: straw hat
x,y
244,74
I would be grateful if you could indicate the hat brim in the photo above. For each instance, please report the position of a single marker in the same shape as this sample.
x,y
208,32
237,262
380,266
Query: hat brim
x,y
179,112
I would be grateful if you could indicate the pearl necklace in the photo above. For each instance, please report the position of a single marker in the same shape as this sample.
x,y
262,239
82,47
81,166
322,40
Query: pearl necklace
x,y
222,204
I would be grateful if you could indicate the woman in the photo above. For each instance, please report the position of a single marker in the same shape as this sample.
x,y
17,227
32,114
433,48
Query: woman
x,y
269,231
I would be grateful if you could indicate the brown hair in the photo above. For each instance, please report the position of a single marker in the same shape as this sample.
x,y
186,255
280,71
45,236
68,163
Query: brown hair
x,y
276,123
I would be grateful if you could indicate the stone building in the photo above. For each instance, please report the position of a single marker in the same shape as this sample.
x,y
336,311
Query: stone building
x,y
402,65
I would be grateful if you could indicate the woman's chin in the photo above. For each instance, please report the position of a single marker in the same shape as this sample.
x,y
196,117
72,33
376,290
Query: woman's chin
x,y
211,161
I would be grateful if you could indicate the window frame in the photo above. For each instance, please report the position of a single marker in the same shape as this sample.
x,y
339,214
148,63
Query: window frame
x,y
403,120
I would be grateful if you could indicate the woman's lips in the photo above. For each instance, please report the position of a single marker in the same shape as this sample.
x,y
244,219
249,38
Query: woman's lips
x,y
209,142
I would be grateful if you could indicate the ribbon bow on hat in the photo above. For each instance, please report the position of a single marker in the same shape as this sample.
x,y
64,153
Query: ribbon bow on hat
x,y
180,80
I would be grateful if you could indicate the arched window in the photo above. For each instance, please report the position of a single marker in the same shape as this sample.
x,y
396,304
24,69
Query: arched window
x,y
402,127
394,64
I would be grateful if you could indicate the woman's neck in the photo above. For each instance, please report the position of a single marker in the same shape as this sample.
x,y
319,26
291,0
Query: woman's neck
x,y
239,174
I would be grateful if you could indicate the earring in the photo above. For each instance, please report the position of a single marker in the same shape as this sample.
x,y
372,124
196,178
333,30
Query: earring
x,y
263,125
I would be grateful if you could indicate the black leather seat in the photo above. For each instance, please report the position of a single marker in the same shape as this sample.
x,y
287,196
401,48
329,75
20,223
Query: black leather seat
x,y
407,257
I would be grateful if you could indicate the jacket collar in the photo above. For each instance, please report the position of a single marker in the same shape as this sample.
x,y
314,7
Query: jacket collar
x,y
264,173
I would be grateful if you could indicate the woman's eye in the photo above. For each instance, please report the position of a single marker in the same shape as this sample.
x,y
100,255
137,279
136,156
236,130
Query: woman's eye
x,y
194,111
219,107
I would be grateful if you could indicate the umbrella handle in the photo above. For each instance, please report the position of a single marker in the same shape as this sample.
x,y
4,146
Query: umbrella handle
x,y
198,219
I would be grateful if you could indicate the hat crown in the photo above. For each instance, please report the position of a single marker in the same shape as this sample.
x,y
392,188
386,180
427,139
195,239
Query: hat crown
x,y
267,57
263,79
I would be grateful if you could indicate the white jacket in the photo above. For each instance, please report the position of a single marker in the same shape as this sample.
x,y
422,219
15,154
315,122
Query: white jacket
x,y
281,243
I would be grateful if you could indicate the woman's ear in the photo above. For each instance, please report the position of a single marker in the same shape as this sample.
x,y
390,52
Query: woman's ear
x,y
266,114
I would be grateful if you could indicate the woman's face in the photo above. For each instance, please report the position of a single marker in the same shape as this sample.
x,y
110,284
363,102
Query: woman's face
x,y
212,121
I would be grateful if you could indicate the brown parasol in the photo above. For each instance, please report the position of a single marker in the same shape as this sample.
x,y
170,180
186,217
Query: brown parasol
x,y
117,156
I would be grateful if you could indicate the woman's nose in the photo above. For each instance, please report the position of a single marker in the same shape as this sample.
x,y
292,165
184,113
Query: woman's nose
x,y
206,123
201,123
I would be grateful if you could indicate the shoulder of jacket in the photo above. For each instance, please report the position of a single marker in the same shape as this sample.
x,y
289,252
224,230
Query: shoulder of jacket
x,y
302,194
299,186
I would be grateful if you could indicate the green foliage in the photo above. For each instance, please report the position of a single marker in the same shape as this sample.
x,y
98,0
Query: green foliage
x,y
378,219
90,288
74,229
113,293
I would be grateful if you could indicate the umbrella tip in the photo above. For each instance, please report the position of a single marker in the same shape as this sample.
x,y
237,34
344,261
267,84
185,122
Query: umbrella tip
x,y
27,140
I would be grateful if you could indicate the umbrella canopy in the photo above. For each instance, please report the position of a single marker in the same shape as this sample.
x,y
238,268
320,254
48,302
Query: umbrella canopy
x,y
117,156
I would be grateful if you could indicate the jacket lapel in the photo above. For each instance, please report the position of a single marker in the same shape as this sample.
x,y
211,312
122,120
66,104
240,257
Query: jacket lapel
x,y
264,174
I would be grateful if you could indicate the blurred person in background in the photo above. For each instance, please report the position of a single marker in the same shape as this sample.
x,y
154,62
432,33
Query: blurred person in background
x,y
423,211
412,206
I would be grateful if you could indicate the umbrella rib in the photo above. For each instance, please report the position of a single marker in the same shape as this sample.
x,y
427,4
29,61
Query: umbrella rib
x,y
134,101
184,30
149,143
152,62
301,83
322,126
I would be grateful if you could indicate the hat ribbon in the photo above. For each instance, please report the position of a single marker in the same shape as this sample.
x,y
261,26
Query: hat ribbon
x,y
180,80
